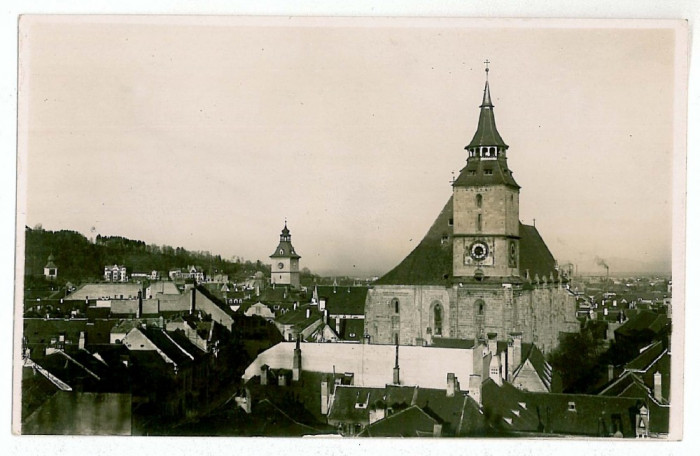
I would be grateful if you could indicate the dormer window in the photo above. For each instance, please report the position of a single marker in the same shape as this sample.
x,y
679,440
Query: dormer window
x,y
488,172
572,406
281,251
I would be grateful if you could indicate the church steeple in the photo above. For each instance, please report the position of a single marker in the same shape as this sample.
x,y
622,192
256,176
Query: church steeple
x,y
486,163
485,205
486,132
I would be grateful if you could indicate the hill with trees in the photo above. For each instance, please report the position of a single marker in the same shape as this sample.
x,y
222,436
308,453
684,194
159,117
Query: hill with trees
x,y
80,259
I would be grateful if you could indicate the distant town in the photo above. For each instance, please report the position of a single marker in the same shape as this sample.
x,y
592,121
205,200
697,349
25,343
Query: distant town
x,y
477,332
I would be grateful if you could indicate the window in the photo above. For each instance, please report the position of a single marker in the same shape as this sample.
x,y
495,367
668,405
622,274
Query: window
x,y
572,406
437,319
396,338
488,172
479,304
472,173
479,198
451,222
444,239
395,305
281,251
478,222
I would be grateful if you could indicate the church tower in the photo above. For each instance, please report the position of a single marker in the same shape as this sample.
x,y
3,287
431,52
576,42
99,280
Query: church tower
x,y
486,206
285,261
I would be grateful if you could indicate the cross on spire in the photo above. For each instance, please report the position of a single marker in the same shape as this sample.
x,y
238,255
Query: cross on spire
x,y
486,62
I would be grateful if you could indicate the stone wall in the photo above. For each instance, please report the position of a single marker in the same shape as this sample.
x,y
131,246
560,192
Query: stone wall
x,y
469,312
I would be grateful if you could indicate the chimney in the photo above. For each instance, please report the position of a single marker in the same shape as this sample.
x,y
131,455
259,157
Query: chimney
x,y
193,300
493,344
325,395
263,374
81,340
517,348
437,430
308,313
396,367
296,362
322,304
451,380
503,360
139,309
325,316
611,372
510,361
657,387
475,387
295,305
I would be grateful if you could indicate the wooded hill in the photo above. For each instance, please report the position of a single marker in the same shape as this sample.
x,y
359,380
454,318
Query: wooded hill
x,y
79,259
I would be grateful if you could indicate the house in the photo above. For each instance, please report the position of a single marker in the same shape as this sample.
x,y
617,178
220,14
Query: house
x,y
50,270
403,411
260,310
513,412
115,273
73,391
300,321
346,310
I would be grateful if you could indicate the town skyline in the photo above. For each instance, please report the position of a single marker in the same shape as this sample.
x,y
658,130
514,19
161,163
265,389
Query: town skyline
x,y
211,145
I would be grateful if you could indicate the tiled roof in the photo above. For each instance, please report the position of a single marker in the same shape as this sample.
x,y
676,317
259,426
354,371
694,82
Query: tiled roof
x,y
571,414
647,358
298,316
410,422
481,173
344,300
287,249
105,290
179,349
643,320
430,263
539,363
535,256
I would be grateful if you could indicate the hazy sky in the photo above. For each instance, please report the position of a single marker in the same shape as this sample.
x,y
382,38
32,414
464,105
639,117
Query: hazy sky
x,y
206,135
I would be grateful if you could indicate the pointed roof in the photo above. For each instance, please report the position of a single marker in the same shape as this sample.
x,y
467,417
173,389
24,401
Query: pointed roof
x,y
285,249
486,132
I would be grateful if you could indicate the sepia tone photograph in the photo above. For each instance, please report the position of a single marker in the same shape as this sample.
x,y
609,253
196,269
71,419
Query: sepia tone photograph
x,y
350,227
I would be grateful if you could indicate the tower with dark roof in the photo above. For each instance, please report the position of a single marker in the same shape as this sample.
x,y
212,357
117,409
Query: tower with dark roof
x,y
486,228
478,270
285,261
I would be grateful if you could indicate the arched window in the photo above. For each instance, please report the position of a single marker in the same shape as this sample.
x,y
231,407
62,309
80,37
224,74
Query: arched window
x,y
479,305
479,199
437,319
395,305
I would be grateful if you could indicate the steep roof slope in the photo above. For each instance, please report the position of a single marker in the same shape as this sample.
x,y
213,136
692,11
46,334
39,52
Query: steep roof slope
x,y
430,263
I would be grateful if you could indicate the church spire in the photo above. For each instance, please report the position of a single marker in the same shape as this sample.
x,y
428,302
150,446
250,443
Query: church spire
x,y
486,132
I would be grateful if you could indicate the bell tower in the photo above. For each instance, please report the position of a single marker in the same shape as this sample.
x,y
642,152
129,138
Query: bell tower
x,y
285,261
486,225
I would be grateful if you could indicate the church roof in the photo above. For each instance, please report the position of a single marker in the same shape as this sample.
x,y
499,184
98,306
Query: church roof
x,y
430,263
485,172
486,133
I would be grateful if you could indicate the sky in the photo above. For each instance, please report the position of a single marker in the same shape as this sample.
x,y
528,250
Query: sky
x,y
207,133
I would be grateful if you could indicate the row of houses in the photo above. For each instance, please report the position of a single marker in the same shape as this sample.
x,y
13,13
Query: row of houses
x,y
412,391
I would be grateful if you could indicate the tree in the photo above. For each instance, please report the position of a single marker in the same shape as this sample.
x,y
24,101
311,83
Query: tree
x,y
577,361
